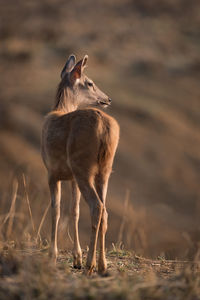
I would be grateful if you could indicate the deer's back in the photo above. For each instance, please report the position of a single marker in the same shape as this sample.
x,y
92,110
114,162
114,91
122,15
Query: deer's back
x,y
84,138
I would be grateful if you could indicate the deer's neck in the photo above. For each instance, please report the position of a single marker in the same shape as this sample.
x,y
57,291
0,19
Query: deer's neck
x,y
64,102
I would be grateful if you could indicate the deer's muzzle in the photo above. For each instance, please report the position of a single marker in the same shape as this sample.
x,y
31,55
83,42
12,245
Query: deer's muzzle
x,y
105,103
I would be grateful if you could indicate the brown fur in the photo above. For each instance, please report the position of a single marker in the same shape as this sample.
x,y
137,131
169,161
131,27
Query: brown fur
x,y
79,145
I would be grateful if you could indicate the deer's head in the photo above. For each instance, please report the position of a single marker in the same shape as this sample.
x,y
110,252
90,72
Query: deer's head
x,y
81,89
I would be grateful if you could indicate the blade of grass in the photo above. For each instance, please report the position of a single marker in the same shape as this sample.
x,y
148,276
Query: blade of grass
x,y
28,204
42,221
11,214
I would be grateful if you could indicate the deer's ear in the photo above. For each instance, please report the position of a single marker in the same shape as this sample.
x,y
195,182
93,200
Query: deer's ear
x,y
84,61
69,65
78,69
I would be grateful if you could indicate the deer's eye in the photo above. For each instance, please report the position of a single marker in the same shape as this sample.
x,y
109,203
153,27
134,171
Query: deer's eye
x,y
90,83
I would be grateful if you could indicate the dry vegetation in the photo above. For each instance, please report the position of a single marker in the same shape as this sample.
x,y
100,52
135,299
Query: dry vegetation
x,y
145,55
27,274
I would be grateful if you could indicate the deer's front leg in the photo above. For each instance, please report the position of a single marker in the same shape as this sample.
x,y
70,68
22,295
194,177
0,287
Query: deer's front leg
x,y
55,189
77,253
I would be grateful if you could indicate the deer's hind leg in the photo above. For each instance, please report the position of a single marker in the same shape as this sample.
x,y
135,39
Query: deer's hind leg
x,y
77,253
101,182
55,191
89,193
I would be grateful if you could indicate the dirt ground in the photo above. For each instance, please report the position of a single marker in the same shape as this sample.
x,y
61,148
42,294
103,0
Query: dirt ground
x,y
28,274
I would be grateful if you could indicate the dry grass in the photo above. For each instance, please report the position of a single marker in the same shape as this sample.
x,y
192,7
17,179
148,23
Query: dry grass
x,y
28,274
26,271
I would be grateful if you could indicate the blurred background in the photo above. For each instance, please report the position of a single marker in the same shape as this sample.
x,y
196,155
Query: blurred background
x,y
146,56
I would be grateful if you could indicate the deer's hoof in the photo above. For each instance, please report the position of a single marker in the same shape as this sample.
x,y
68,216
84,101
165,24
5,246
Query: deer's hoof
x,y
77,263
53,257
53,260
104,273
77,267
102,268
89,270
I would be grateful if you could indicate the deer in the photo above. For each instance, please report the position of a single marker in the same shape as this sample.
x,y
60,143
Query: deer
x,y
79,141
